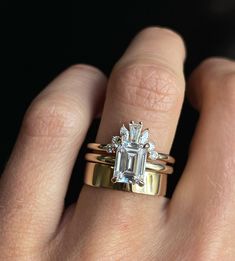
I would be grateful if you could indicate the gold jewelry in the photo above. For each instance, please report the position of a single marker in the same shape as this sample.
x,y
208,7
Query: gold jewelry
x,y
137,167
100,175
110,160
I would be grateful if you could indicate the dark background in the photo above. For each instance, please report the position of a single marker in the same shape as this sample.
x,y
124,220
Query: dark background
x,y
39,41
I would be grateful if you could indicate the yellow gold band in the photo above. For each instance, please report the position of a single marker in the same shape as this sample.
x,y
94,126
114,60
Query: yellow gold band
x,y
100,175
110,160
101,148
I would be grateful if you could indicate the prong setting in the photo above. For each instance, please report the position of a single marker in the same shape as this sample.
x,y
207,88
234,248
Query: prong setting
x,y
146,146
114,180
141,183
132,149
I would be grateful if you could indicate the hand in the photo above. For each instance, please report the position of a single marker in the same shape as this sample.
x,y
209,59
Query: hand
x,y
147,84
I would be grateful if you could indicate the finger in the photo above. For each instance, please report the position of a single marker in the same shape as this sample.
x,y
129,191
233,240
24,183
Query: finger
x,y
147,85
35,180
208,179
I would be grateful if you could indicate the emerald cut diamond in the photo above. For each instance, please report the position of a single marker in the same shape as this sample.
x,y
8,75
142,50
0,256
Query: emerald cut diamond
x,y
132,148
130,163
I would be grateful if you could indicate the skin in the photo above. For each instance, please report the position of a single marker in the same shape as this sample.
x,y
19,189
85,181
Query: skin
x,y
146,84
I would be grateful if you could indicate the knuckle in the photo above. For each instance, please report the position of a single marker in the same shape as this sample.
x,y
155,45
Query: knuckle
x,y
213,62
215,78
77,69
211,70
164,32
50,118
151,87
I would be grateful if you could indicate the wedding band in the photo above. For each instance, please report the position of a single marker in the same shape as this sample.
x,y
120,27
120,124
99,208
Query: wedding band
x,y
103,148
110,160
129,163
100,176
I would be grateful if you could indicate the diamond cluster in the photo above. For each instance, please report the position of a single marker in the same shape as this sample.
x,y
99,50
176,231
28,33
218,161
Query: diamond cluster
x,y
132,148
133,136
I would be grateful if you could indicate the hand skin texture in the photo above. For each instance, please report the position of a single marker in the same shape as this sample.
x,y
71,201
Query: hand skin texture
x,y
147,83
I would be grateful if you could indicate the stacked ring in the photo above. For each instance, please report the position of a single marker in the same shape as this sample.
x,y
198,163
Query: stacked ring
x,y
110,160
100,175
129,163
104,147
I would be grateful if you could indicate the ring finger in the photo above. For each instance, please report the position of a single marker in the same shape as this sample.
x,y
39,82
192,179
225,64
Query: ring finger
x,y
147,84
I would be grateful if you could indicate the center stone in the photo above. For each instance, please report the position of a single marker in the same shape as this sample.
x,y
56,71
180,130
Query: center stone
x,y
130,163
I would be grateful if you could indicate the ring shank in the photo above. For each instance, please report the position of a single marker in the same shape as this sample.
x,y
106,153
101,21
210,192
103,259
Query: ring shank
x,y
110,160
100,175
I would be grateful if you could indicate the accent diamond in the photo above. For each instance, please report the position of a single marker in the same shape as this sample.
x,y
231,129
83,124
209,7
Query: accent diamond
x,y
135,131
153,155
116,141
151,146
124,133
144,137
109,148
